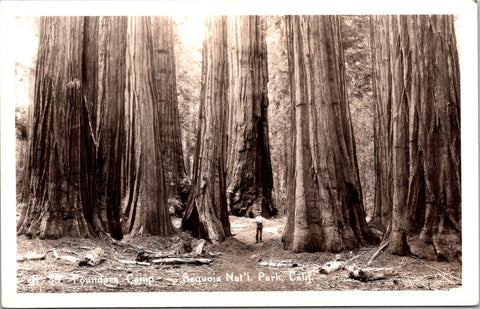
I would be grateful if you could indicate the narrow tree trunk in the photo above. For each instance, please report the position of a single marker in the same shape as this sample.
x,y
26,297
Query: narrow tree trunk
x,y
207,215
145,210
425,117
328,210
249,169
56,156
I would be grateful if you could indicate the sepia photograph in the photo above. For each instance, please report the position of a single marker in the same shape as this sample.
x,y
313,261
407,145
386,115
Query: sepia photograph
x,y
206,158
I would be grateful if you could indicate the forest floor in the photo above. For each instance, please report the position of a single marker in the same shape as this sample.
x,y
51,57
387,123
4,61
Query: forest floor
x,y
238,264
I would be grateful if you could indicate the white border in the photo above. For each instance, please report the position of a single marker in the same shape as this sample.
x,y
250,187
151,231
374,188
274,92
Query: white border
x,y
467,295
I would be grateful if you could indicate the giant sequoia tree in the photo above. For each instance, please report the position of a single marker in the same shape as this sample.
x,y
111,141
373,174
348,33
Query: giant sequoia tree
x,y
57,177
417,90
103,81
249,169
150,79
326,210
207,214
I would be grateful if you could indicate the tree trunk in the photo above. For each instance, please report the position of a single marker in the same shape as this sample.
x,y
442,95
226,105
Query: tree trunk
x,y
249,169
425,117
104,63
57,152
328,211
207,214
165,79
382,212
145,210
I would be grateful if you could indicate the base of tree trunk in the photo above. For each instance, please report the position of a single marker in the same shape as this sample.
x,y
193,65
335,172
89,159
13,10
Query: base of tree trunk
x,y
445,246
398,243
47,225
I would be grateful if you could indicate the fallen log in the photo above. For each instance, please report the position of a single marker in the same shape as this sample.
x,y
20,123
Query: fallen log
x,y
330,267
172,261
372,274
69,258
31,256
93,257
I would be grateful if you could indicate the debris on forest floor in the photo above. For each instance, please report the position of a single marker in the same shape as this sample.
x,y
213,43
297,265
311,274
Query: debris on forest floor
x,y
31,256
172,261
129,266
371,274
93,257
377,252
330,267
279,264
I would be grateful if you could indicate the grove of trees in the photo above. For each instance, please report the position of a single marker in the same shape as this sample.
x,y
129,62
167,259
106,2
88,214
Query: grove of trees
x,y
341,123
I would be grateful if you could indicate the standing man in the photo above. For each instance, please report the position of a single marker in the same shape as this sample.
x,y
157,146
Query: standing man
x,y
259,221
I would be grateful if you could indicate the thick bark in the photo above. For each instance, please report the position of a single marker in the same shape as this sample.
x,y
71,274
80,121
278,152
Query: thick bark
x,y
249,169
164,77
104,79
145,207
56,155
382,125
328,211
425,117
207,214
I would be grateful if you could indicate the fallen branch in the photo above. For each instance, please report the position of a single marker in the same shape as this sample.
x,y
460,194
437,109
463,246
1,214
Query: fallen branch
x,y
378,251
134,262
279,264
172,261
31,256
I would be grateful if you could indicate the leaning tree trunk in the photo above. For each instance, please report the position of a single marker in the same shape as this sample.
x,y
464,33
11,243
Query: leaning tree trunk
x,y
424,91
249,169
56,155
207,214
104,60
176,183
145,210
328,211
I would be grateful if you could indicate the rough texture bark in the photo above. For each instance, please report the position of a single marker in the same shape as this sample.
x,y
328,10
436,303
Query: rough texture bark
x,y
328,211
164,76
104,80
424,91
56,155
382,212
145,207
207,214
249,169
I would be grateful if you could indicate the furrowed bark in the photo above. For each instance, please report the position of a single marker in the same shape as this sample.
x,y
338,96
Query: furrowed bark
x,y
249,169
207,214
328,212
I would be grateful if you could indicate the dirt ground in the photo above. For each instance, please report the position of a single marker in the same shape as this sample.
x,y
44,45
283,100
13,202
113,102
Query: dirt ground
x,y
238,264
